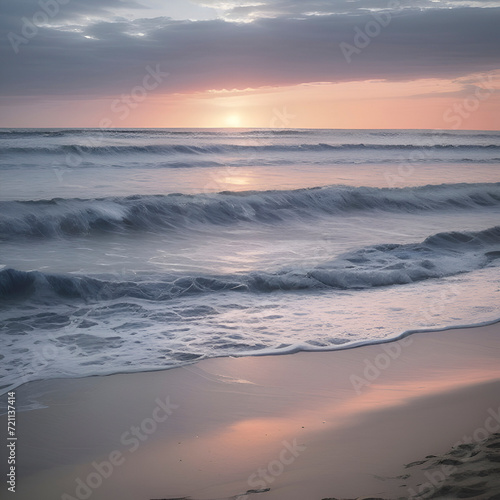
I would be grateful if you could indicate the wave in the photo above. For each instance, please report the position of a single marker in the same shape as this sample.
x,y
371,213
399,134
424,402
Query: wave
x,y
257,161
70,132
46,132
77,217
437,133
10,133
440,255
156,149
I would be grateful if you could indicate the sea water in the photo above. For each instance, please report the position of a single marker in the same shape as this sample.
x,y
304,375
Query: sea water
x,y
130,250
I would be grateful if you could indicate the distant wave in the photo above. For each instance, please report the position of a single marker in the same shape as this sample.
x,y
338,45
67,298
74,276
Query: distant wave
x,y
69,132
260,161
149,132
72,217
231,148
94,135
274,132
440,255
233,132
438,133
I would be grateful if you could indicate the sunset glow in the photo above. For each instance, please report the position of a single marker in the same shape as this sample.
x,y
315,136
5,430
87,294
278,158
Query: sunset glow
x,y
284,213
327,66
233,121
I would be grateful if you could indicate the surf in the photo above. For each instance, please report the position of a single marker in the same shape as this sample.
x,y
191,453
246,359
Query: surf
x,y
81,217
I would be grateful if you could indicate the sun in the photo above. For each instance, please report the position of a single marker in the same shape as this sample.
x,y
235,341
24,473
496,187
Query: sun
x,y
233,120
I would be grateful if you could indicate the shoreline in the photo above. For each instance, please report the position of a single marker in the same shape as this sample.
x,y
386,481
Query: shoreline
x,y
311,425
356,345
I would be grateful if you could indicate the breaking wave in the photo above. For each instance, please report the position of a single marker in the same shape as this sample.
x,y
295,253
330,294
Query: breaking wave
x,y
440,255
77,217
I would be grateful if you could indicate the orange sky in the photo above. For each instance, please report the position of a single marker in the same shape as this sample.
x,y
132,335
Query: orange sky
x,y
314,64
419,104
428,104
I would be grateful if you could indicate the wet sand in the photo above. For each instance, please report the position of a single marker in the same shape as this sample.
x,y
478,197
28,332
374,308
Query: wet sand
x,y
306,426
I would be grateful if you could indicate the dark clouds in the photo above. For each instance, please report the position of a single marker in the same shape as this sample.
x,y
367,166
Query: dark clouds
x,y
216,54
13,10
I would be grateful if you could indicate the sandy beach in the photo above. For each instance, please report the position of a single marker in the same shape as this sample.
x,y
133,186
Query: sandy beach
x,y
249,250
413,418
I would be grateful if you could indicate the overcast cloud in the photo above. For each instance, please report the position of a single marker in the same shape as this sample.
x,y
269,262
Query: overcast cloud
x,y
96,48
242,10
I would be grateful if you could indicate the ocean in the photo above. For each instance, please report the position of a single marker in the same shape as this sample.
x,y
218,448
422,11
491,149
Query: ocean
x,y
133,250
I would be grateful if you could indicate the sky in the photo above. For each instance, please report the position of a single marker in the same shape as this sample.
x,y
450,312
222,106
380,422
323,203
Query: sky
x,y
386,64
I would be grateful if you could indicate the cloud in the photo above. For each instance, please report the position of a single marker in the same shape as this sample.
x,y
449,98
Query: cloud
x,y
237,10
483,84
14,11
109,57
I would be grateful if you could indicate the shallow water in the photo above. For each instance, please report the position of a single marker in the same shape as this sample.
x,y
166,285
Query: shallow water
x,y
134,250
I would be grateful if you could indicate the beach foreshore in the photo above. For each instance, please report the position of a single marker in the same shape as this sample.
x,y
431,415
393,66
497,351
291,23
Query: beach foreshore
x,y
308,426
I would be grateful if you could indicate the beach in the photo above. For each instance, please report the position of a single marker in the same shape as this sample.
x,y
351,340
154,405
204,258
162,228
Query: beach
x,y
249,313
249,250
311,425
